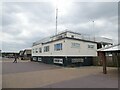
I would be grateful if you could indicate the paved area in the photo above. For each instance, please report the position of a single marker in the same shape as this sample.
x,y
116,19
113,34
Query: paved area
x,y
24,66
89,81
26,74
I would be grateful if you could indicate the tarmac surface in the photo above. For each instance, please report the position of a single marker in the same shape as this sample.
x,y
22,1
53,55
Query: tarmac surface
x,y
27,74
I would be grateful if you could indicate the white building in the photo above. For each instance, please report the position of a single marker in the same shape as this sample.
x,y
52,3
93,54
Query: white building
x,y
66,48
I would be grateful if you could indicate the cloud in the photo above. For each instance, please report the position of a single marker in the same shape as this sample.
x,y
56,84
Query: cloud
x,y
26,22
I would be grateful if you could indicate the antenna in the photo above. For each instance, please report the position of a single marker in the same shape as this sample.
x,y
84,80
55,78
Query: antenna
x,y
56,18
93,31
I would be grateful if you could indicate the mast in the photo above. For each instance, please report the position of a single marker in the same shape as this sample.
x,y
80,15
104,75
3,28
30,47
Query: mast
x,y
56,18
93,31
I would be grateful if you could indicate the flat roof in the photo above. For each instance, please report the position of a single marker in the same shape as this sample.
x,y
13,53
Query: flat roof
x,y
49,39
69,38
111,48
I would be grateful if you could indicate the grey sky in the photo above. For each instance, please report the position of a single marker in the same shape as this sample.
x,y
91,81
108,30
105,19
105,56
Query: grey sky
x,y
26,22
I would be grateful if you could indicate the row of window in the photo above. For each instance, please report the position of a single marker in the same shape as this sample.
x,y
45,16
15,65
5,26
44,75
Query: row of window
x,y
58,47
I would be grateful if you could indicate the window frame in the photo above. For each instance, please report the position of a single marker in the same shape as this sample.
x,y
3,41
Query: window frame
x,y
46,48
91,46
40,50
36,50
58,47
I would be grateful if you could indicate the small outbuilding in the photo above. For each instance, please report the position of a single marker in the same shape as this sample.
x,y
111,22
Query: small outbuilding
x,y
25,54
109,53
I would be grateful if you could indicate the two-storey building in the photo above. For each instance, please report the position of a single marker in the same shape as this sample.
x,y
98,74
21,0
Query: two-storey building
x,y
66,48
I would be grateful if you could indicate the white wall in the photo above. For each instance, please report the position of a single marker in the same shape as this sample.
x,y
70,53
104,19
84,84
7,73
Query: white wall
x,y
51,51
83,50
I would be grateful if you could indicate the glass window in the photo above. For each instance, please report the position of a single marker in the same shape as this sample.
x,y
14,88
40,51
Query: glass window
x,y
46,48
90,46
33,50
59,37
72,36
36,50
75,45
40,50
58,46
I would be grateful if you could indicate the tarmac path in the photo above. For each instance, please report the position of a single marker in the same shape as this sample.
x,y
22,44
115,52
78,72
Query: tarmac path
x,y
26,74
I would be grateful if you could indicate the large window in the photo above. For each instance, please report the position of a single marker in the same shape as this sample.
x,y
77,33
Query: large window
x,y
90,46
40,50
75,45
46,48
58,46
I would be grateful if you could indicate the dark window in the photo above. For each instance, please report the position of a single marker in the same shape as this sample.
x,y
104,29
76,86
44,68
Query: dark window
x,y
40,50
59,37
72,36
33,50
36,50
46,48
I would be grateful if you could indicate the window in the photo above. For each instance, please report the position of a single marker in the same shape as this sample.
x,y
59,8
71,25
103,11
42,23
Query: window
x,y
76,60
108,53
58,60
75,45
34,59
72,36
58,47
40,50
46,48
39,59
33,50
59,37
90,46
36,50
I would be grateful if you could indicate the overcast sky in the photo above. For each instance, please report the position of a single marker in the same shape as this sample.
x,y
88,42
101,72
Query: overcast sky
x,y
26,22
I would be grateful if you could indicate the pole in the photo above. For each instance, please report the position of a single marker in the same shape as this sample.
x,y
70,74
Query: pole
x,y
56,18
93,31
104,63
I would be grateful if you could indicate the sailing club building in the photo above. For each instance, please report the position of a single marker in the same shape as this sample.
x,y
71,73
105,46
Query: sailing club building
x,y
67,48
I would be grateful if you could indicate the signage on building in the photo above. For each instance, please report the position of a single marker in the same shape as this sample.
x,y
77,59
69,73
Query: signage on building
x,y
76,60
58,60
